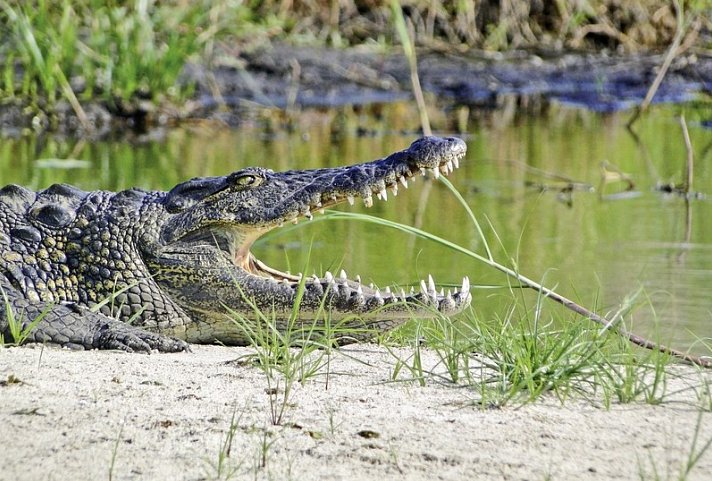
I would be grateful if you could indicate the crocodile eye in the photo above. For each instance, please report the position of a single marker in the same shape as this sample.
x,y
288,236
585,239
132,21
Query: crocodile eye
x,y
247,180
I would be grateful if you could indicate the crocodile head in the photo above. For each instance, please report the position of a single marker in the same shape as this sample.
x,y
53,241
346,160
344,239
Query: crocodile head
x,y
204,261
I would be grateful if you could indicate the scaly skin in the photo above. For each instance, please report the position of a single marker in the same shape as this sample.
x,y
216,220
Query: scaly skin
x,y
178,263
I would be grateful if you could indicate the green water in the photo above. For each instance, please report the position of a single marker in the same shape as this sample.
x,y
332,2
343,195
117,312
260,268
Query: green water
x,y
596,246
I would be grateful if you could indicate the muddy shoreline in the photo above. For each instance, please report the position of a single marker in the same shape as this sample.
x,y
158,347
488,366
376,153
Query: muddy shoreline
x,y
240,84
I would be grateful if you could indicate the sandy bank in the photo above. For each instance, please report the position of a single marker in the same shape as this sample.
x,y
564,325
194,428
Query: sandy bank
x,y
171,414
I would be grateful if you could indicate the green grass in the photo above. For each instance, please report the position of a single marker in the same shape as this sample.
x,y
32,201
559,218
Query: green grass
x,y
288,352
18,329
124,53
118,52
223,468
521,356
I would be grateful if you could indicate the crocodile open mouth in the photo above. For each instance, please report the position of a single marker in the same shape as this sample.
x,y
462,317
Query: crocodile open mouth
x,y
353,291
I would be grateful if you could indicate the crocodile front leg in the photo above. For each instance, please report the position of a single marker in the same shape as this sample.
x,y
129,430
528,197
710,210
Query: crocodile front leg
x,y
76,327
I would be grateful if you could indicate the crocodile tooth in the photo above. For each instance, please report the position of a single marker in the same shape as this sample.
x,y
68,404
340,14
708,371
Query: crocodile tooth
x,y
321,210
466,284
379,299
316,279
342,276
444,169
394,189
423,288
388,290
422,170
449,296
455,162
351,199
412,291
402,294
368,200
359,291
442,292
295,220
308,215
435,172
431,285
382,194
404,181
358,278
328,276
370,285
450,166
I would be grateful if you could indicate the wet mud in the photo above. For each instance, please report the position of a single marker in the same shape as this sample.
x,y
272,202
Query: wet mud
x,y
237,83
305,77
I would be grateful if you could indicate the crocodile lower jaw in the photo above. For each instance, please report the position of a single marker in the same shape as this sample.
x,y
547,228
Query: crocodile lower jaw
x,y
350,295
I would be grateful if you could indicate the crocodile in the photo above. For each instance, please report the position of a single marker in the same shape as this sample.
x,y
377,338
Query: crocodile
x,y
141,270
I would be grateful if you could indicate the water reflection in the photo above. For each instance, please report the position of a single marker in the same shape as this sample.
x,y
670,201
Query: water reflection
x,y
535,185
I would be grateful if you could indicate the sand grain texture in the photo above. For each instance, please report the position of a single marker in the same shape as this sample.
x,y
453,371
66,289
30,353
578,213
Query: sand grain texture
x,y
170,414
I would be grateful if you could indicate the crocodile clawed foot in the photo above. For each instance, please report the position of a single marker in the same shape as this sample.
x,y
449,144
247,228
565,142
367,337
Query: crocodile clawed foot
x,y
132,339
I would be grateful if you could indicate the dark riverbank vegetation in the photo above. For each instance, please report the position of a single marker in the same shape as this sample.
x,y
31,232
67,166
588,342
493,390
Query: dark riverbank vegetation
x,y
128,58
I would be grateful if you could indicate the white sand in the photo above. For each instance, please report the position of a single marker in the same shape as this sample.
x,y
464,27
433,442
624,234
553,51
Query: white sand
x,y
171,412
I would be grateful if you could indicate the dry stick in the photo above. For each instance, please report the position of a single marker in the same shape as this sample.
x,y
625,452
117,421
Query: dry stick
x,y
687,187
419,99
568,303
607,323
409,50
634,338
73,101
690,158
672,51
